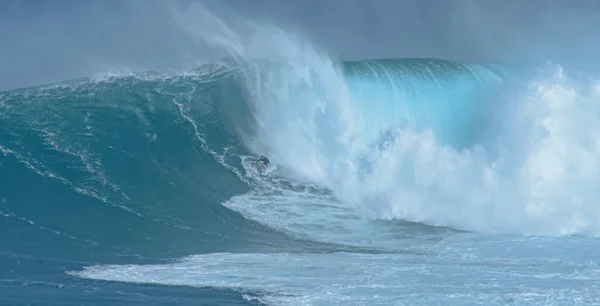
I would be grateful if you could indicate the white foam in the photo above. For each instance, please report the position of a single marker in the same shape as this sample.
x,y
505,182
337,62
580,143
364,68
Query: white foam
x,y
305,210
455,272
536,175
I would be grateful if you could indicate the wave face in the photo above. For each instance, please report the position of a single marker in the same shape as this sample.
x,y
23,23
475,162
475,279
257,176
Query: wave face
x,y
452,99
378,165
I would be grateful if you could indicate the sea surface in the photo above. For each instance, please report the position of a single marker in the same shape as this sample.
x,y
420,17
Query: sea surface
x,y
393,182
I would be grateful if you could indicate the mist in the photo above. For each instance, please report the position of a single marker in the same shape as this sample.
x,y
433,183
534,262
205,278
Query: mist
x,y
50,41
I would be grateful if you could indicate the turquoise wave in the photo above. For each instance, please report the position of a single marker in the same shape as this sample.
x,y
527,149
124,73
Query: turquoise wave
x,y
452,98
136,168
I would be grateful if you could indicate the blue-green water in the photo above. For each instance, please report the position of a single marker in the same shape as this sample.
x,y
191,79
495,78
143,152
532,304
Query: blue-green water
x,y
393,182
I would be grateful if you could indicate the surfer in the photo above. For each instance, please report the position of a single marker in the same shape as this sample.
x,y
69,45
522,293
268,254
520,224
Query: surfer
x,y
265,162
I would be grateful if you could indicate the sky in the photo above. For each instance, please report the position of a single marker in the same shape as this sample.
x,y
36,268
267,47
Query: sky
x,y
44,41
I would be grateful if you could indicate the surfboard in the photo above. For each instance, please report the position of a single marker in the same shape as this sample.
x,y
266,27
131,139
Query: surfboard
x,y
262,170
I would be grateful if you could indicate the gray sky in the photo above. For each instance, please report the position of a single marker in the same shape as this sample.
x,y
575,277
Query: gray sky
x,y
45,41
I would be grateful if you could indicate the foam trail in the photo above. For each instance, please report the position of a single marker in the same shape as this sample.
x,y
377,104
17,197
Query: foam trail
x,y
457,271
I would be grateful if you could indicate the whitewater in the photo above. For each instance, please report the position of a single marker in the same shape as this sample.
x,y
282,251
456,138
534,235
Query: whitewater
x,y
408,181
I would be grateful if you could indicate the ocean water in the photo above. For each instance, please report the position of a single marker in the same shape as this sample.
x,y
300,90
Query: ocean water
x,y
394,182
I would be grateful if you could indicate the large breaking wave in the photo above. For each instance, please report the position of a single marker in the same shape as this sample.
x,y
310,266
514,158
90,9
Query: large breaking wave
x,y
366,154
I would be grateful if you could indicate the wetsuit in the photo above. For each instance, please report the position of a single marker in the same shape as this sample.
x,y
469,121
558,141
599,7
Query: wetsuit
x,y
265,161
